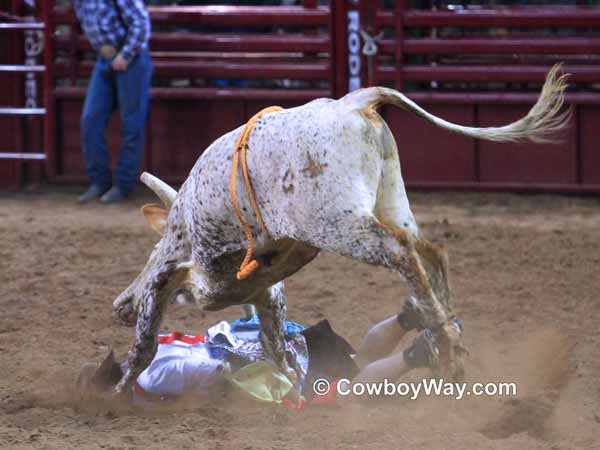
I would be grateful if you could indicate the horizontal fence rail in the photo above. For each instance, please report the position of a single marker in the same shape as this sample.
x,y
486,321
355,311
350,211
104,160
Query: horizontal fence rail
x,y
21,156
497,98
578,17
496,46
224,16
22,26
173,69
23,111
174,93
259,52
21,68
486,73
209,42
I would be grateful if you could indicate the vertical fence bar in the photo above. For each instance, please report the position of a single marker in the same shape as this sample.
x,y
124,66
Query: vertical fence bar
x,y
401,7
311,4
34,95
73,53
17,98
476,149
49,122
365,8
575,121
339,46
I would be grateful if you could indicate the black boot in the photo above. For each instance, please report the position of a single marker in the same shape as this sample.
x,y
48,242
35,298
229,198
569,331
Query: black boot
x,y
114,195
93,192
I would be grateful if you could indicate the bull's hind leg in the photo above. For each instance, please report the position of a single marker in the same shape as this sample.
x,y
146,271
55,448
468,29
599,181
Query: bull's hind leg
x,y
422,264
425,266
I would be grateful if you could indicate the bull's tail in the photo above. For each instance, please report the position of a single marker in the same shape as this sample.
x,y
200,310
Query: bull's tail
x,y
541,124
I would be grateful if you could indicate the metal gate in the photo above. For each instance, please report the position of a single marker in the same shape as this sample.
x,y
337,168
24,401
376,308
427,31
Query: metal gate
x,y
483,66
22,72
214,66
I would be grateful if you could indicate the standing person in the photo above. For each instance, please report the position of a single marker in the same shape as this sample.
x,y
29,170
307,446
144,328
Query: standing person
x,y
118,30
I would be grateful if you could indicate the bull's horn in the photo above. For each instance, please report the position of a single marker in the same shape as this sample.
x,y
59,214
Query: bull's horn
x,y
165,192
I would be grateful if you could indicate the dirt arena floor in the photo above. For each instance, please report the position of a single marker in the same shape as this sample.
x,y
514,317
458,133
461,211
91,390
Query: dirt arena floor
x,y
525,281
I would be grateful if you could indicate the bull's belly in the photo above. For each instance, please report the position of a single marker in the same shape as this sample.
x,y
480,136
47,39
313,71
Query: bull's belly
x,y
277,261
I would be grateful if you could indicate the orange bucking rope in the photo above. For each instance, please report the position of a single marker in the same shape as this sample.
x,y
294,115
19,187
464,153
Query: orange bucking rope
x,y
241,146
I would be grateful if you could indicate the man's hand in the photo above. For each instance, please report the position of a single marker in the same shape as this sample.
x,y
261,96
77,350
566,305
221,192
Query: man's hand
x,y
119,64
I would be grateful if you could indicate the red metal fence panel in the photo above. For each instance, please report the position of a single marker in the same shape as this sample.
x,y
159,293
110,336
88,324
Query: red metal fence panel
x,y
21,112
213,68
483,66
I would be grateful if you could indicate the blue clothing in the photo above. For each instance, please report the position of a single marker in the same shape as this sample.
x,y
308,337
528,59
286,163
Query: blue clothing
x,y
123,24
237,348
130,92
252,324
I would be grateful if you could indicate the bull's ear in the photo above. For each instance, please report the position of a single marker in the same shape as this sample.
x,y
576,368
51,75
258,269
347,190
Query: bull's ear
x,y
156,215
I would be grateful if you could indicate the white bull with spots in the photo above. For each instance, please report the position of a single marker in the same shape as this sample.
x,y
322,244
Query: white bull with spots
x,y
326,176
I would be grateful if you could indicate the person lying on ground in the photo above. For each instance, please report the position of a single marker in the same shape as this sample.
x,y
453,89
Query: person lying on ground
x,y
231,354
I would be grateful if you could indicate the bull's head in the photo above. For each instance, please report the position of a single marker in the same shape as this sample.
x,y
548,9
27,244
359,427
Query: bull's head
x,y
126,305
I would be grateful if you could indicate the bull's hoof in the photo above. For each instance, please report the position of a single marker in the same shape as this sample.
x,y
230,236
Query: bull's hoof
x,y
85,381
452,351
99,378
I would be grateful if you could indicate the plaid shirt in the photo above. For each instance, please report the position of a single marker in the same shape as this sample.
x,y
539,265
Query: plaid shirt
x,y
124,24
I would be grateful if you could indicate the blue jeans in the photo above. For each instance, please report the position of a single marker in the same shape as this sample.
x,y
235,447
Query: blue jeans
x,y
128,91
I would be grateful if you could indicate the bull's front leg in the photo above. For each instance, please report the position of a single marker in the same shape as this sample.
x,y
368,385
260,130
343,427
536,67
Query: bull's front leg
x,y
150,313
271,309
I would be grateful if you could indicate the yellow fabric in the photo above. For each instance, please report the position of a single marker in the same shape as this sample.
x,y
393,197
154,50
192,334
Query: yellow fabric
x,y
262,381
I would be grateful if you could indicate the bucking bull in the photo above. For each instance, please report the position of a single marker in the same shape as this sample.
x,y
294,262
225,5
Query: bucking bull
x,y
325,176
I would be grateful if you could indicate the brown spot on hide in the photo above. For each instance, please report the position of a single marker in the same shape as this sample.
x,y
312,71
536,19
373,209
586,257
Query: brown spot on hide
x,y
288,181
313,168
